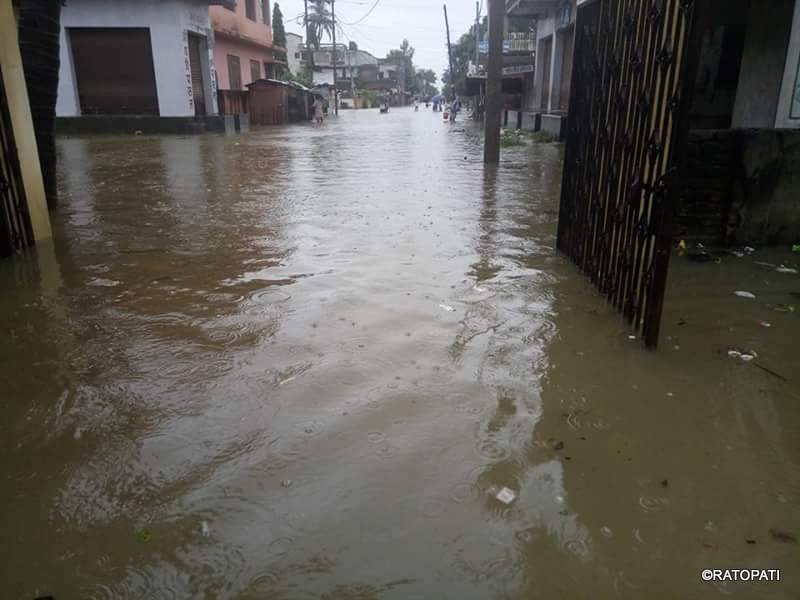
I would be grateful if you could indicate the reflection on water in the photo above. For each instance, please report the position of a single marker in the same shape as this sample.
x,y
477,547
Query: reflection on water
x,y
294,364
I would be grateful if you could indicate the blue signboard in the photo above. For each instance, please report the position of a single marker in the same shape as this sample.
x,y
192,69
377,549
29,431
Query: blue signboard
x,y
483,47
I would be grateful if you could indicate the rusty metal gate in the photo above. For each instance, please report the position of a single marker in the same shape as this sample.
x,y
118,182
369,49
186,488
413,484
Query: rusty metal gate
x,y
628,116
15,223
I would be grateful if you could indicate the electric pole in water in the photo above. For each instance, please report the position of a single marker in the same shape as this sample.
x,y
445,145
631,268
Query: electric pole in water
x,y
494,83
309,49
335,89
450,56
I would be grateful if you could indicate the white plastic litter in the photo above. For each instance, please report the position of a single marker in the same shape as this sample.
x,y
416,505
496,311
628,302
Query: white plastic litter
x,y
783,269
742,294
506,496
447,308
205,530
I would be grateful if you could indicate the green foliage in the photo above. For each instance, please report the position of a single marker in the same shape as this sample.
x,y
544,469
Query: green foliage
x,y
463,53
278,29
304,77
426,78
405,56
279,37
320,21
369,95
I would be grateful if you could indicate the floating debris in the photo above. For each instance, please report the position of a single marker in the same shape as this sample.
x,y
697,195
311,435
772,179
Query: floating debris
x,y
447,308
506,495
765,324
558,446
665,483
782,536
751,542
743,294
205,530
144,535
287,483
606,531
783,269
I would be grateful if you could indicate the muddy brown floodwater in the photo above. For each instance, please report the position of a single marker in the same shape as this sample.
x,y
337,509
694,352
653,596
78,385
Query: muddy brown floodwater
x,y
298,363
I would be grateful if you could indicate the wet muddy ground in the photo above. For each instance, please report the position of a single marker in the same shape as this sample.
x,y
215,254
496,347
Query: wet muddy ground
x,y
300,363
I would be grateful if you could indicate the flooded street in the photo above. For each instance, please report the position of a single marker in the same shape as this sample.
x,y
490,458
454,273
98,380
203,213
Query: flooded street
x,y
300,363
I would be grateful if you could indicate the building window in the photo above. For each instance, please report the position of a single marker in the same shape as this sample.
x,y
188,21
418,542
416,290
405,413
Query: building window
x,y
255,70
234,72
250,9
268,71
265,11
297,55
566,13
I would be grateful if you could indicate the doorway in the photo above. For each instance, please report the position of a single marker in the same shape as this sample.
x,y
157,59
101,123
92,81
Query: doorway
x,y
196,66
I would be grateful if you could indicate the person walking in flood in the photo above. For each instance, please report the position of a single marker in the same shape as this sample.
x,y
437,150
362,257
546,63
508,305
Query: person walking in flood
x,y
319,116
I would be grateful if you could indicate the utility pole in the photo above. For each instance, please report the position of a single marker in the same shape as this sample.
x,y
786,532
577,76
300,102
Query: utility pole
x,y
335,89
450,55
352,79
494,83
309,49
477,35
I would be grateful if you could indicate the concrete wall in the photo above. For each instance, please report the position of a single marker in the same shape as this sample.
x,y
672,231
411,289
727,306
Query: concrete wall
x,y
770,211
168,22
293,42
788,114
236,23
763,64
20,110
742,186
242,37
223,47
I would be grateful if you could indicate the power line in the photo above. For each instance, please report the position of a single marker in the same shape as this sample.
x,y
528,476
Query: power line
x,y
369,12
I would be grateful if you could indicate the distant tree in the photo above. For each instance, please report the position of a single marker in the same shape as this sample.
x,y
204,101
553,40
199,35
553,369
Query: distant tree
x,y
279,35
278,29
405,57
320,22
303,77
426,78
463,53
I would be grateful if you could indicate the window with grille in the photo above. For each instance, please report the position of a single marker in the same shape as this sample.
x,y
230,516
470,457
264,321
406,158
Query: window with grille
x,y
250,9
234,72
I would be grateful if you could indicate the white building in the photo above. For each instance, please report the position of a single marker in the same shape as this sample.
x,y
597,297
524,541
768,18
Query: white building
x,y
294,52
137,58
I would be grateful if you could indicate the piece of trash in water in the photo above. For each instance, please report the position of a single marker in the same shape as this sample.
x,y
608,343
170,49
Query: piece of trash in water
x,y
741,355
783,269
709,526
796,248
479,289
751,542
606,531
681,322
782,536
286,483
558,446
205,530
765,324
144,535
682,246
784,308
742,294
665,483
748,249
506,495
631,337
447,308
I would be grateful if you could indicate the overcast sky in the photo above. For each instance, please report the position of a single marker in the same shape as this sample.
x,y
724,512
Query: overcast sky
x,y
421,21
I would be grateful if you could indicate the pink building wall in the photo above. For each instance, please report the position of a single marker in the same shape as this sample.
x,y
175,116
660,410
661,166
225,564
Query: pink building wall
x,y
239,36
